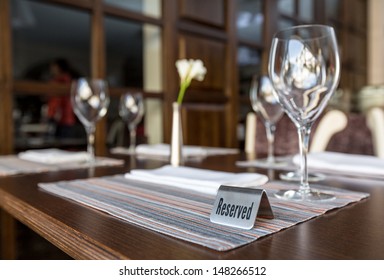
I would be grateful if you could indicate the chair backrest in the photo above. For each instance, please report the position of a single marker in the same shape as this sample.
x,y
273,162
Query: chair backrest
x,y
334,131
375,122
250,133
331,123
356,138
286,139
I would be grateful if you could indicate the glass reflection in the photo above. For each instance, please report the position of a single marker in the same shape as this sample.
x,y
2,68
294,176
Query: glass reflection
x,y
332,8
250,20
286,7
249,63
305,74
306,10
36,40
124,45
284,24
47,47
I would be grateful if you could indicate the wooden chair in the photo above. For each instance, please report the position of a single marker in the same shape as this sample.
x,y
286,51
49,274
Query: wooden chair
x,y
375,122
250,133
329,133
356,138
332,122
286,141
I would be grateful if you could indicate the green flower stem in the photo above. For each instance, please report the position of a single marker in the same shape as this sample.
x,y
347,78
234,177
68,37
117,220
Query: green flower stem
x,y
183,88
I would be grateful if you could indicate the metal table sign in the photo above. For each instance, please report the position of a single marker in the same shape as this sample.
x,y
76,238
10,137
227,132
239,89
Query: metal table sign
x,y
238,207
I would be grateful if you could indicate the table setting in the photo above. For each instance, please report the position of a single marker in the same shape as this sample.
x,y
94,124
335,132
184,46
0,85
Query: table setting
x,y
162,151
90,100
179,206
176,199
45,160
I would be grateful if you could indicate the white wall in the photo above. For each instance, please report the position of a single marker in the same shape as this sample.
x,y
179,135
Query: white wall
x,y
375,42
153,77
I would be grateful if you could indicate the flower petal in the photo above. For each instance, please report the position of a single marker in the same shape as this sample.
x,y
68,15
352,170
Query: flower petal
x,y
197,70
182,66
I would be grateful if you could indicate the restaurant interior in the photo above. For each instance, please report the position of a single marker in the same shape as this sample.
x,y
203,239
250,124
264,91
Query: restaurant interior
x,y
133,46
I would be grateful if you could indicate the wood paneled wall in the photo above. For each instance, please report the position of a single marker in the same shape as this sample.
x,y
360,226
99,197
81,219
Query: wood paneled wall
x,y
207,12
6,104
98,68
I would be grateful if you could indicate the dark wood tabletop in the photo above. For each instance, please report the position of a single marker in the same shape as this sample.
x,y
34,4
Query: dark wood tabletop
x,y
352,232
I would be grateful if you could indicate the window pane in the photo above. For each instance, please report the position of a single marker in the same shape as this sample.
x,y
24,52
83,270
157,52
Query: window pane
x,y
47,46
249,63
134,60
284,23
286,7
42,32
147,7
124,41
250,20
133,54
306,10
332,8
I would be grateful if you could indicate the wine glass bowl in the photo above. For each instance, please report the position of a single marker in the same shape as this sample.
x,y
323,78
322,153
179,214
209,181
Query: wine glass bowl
x,y
304,68
131,110
268,109
263,100
90,101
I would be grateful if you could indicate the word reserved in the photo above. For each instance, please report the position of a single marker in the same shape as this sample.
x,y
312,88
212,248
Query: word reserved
x,y
238,207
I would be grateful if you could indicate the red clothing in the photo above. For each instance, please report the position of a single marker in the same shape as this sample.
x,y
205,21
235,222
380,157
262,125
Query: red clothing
x,y
60,107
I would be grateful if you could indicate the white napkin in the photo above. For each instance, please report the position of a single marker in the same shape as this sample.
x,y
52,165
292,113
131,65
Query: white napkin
x,y
347,164
54,156
201,180
163,150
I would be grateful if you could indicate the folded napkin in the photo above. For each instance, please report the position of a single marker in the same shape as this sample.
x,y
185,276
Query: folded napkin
x,y
280,162
53,156
163,150
345,164
201,180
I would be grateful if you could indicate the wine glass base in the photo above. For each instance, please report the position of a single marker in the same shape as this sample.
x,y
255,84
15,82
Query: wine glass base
x,y
265,163
296,177
130,152
297,195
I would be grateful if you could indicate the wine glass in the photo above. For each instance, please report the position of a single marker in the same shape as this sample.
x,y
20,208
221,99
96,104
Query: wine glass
x,y
131,110
304,68
268,109
90,100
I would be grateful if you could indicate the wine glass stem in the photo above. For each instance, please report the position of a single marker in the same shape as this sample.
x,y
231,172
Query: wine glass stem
x,y
132,134
304,132
270,129
91,142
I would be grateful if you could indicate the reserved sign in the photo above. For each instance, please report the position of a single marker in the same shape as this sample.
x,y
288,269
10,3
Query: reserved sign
x,y
239,207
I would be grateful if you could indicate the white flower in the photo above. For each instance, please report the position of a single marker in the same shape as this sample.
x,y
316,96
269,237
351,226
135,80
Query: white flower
x,y
182,66
188,70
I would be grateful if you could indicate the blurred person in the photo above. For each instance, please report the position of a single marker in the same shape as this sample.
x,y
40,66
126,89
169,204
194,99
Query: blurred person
x,y
60,112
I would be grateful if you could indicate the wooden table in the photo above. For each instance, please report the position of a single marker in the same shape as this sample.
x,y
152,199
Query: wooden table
x,y
353,232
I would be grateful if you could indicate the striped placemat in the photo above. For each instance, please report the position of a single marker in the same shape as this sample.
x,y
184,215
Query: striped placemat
x,y
12,165
185,214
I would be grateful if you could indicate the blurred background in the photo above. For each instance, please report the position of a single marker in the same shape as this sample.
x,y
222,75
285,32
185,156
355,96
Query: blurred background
x,y
134,45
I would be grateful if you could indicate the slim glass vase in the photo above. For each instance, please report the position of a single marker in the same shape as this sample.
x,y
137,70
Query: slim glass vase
x,y
177,136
